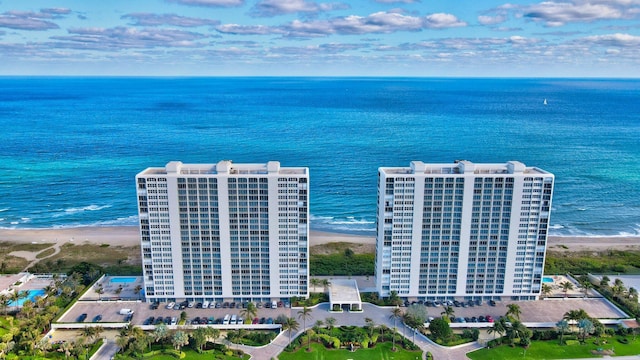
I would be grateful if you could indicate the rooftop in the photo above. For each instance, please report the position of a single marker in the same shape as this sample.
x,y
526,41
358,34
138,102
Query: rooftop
x,y
465,167
223,167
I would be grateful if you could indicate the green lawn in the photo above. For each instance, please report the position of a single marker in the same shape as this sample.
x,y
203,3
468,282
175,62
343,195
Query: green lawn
x,y
551,350
194,355
380,352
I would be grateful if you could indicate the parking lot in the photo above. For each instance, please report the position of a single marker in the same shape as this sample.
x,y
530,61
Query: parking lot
x,y
110,312
541,311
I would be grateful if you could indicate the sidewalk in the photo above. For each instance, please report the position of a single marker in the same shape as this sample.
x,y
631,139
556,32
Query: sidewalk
x,y
379,315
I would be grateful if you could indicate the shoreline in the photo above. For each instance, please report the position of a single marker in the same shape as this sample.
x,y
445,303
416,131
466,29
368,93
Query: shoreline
x,y
128,236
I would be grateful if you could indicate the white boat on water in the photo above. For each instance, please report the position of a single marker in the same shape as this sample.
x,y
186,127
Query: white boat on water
x,y
545,102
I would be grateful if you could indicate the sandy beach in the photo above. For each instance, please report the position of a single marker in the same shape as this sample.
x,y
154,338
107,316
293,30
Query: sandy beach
x,y
129,236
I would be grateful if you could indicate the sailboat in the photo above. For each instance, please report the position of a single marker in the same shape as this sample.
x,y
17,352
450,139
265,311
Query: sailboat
x,y
545,102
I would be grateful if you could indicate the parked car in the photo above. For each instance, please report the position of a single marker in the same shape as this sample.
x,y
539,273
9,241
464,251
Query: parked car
x,y
170,305
155,305
256,320
82,317
150,320
269,321
489,318
97,318
492,302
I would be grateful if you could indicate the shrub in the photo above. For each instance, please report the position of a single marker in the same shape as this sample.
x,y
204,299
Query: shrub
x,y
544,335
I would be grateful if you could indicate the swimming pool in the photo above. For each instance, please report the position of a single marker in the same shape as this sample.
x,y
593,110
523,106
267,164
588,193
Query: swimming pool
x,y
124,280
547,279
31,295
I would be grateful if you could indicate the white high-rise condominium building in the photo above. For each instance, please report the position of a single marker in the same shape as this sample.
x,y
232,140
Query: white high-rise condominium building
x,y
462,230
233,232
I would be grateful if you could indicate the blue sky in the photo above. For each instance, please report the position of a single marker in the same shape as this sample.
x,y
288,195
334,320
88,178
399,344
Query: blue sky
x,y
484,38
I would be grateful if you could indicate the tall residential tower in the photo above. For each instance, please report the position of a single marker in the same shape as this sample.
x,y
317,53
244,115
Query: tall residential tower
x,y
233,232
462,230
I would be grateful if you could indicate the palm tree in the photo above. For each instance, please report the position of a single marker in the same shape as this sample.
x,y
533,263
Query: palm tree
x,y
179,339
87,331
396,313
331,322
566,286
290,324
315,282
326,283
448,313
562,326
513,311
317,325
492,330
4,302
15,298
137,290
633,294
100,291
586,327
516,330
250,311
546,290
214,333
371,325
586,285
573,316
394,299
199,337
305,314
604,282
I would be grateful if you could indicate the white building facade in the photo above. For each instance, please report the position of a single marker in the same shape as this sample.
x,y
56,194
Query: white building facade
x,y
462,231
224,232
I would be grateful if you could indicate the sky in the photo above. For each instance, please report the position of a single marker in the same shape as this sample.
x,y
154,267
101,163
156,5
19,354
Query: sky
x,y
423,38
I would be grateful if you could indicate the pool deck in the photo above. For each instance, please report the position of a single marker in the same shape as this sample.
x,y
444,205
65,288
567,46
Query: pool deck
x,y
115,290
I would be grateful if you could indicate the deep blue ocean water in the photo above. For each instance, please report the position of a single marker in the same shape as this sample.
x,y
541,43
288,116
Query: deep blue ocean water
x,y
70,147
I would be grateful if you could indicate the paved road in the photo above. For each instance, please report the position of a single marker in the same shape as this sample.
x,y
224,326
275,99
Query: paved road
x,y
380,315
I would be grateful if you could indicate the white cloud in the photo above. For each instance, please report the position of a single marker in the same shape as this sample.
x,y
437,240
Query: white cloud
x,y
616,40
268,8
210,3
236,29
491,20
442,21
397,1
380,22
553,13
108,39
34,21
149,19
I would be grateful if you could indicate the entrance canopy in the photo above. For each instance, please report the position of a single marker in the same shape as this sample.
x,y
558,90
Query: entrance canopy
x,y
345,292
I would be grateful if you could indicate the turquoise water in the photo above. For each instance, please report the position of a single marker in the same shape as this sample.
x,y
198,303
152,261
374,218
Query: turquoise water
x,y
70,147
31,295
547,279
123,280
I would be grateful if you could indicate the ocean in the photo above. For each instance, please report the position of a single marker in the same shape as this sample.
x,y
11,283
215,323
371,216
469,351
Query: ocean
x,y
71,146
